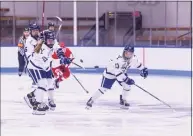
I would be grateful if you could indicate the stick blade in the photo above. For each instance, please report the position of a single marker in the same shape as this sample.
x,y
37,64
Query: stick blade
x,y
59,18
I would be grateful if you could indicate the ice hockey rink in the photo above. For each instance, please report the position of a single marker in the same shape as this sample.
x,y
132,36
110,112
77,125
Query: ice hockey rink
x,y
146,116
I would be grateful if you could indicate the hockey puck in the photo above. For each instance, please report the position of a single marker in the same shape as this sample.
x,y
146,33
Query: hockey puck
x,y
96,66
81,60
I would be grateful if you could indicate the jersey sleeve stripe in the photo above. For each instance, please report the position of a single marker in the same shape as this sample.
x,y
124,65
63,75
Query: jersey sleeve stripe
x,y
35,65
109,72
119,74
139,65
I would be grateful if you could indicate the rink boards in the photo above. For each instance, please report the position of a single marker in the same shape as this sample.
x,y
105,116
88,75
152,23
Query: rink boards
x,y
146,116
160,61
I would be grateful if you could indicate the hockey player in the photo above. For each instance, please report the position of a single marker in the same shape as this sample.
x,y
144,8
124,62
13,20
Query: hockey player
x,y
50,29
117,71
29,49
30,98
21,46
51,26
61,72
40,69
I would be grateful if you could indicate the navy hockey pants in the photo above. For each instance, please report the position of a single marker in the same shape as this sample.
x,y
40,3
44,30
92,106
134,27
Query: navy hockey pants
x,y
39,74
21,61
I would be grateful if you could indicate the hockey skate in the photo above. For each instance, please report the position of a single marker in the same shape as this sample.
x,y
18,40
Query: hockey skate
x,y
19,73
40,108
30,99
52,105
124,104
89,103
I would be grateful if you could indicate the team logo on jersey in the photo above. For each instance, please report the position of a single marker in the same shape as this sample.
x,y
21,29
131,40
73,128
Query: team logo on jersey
x,y
124,66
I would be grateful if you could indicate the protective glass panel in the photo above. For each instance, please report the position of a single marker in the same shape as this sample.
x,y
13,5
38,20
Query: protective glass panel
x,y
23,19
86,14
184,25
107,23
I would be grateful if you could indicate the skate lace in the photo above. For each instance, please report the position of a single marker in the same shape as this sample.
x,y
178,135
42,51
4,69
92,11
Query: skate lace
x,y
33,99
51,102
42,105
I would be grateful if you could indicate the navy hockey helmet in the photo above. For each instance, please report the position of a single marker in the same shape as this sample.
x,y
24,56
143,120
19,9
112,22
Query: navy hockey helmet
x,y
49,39
128,52
26,29
49,26
34,26
129,48
26,32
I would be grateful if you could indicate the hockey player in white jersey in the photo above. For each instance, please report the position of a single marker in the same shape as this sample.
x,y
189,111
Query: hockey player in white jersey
x,y
117,71
29,49
39,67
30,97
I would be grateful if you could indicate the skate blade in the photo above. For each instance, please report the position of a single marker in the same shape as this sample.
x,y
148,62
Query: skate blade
x,y
124,107
88,107
27,102
52,108
38,112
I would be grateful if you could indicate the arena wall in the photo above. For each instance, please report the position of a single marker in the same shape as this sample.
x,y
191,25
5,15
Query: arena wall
x,y
162,14
160,61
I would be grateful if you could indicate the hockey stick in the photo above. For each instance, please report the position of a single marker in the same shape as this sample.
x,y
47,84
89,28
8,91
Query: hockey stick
x,y
60,26
155,97
77,65
80,83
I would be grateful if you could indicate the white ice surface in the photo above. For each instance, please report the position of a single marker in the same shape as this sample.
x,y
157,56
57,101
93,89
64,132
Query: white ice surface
x,y
146,116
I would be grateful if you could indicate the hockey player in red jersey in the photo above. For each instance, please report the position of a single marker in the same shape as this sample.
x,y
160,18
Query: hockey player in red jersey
x,y
62,72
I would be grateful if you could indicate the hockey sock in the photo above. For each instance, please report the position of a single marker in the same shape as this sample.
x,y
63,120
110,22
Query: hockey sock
x,y
125,94
98,94
39,93
51,94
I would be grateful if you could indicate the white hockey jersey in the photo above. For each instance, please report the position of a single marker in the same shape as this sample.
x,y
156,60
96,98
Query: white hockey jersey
x,y
29,46
41,60
117,68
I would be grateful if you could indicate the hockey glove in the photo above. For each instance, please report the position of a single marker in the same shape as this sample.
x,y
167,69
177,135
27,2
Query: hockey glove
x,y
129,81
65,60
144,72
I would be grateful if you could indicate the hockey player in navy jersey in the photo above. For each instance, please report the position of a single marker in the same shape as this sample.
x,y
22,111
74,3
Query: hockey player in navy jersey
x,y
51,28
117,71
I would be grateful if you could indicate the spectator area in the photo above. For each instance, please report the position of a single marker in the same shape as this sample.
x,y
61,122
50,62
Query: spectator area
x,y
8,21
